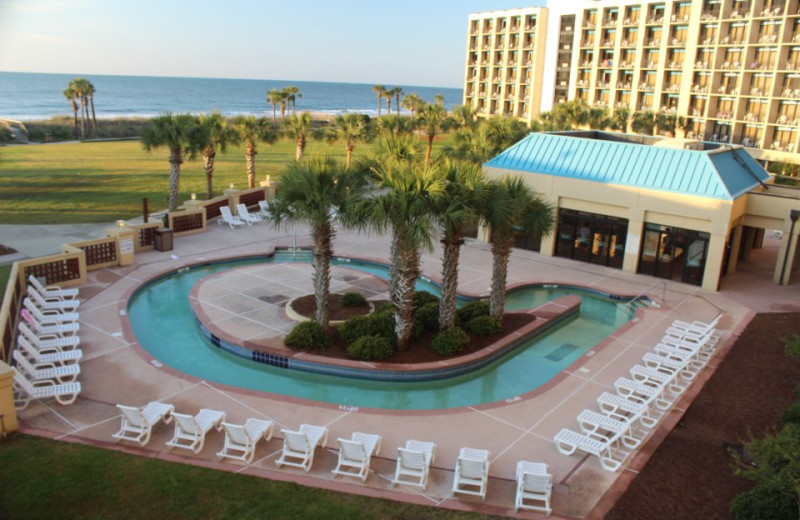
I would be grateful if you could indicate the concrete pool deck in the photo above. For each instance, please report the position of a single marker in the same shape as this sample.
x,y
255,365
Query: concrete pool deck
x,y
115,369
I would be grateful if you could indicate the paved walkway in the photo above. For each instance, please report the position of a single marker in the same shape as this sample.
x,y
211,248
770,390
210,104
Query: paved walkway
x,y
116,369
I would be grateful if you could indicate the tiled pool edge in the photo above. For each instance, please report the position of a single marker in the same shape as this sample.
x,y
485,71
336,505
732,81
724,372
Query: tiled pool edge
x,y
548,316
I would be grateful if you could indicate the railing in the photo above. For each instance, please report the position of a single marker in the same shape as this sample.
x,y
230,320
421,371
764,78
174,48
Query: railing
x,y
144,236
100,253
9,312
63,269
188,222
639,296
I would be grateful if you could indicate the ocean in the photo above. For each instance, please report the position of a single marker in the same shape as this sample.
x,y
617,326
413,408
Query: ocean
x,y
30,96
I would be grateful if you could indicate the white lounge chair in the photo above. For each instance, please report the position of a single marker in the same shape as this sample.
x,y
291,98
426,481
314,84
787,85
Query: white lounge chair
x,y
226,217
534,484
52,302
53,290
414,463
137,423
626,409
610,456
356,453
48,343
245,215
49,317
299,446
605,428
472,472
25,391
190,431
44,371
642,393
263,207
241,439
55,357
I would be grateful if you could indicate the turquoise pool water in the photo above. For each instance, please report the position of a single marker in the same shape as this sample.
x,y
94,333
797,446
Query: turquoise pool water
x,y
164,325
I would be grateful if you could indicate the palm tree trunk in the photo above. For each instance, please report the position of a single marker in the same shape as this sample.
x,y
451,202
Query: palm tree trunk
x,y
83,131
379,106
75,117
447,303
407,273
430,148
274,116
301,147
94,116
208,163
349,147
322,236
250,157
86,110
175,160
501,252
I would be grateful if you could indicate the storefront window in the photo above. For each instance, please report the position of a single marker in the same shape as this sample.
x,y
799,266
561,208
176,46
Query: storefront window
x,y
590,237
674,253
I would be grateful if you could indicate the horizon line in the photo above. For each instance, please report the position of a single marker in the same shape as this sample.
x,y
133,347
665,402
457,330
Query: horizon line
x,y
219,77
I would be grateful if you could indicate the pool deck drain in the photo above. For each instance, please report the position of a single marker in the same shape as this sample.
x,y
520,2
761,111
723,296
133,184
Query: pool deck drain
x,y
115,369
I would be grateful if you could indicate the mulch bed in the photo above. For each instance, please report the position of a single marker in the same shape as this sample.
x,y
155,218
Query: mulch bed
x,y
307,306
418,351
5,250
690,475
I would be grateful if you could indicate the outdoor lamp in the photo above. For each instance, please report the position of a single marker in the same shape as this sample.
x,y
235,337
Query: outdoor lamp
x,y
793,216
231,185
121,223
194,196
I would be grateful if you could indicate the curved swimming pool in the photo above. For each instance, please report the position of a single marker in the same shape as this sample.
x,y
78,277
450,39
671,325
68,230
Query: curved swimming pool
x,y
163,322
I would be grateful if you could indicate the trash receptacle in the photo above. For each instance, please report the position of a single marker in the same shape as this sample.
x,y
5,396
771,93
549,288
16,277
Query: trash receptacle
x,y
163,239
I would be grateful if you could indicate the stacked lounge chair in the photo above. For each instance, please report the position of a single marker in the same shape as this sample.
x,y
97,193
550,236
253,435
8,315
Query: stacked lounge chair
x,y
625,419
47,360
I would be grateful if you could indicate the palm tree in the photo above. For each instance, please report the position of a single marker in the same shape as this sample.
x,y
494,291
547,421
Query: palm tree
x,y
597,118
70,94
85,91
393,125
292,93
643,122
176,132
620,118
380,90
76,87
90,90
350,128
576,112
456,212
389,94
315,191
397,91
274,96
432,119
297,127
213,134
251,131
492,136
464,116
401,147
439,98
412,102
510,204
404,204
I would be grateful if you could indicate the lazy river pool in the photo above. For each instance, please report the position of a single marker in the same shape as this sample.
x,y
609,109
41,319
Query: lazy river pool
x,y
164,325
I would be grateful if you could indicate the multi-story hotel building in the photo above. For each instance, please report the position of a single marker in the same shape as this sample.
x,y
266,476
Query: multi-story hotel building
x,y
729,70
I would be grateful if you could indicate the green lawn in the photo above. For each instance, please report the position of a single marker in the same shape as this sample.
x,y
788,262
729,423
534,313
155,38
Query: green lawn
x,y
5,270
44,479
106,181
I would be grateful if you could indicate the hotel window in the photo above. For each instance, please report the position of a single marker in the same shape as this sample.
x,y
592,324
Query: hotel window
x,y
682,11
708,34
710,9
673,253
656,14
760,85
632,15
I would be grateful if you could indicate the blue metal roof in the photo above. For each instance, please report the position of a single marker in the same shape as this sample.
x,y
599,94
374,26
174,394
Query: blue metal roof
x,y
724,173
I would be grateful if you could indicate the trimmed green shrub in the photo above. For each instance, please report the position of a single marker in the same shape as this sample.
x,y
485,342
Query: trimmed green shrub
x,y
308,334
791,414
384,309
763,502
792,346
371,348
450,341
427,316
381,324
422,298
483,326
353,299
472,310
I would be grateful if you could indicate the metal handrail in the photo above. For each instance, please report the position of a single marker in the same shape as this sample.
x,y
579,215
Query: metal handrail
x,y
638,296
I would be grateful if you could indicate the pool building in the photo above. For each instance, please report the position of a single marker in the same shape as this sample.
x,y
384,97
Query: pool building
x,y
678,209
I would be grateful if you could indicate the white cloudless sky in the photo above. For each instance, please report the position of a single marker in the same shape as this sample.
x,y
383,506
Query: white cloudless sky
x,y
414,42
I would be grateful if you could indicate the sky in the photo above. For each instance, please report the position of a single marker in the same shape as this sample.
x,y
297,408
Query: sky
x,y
414,42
